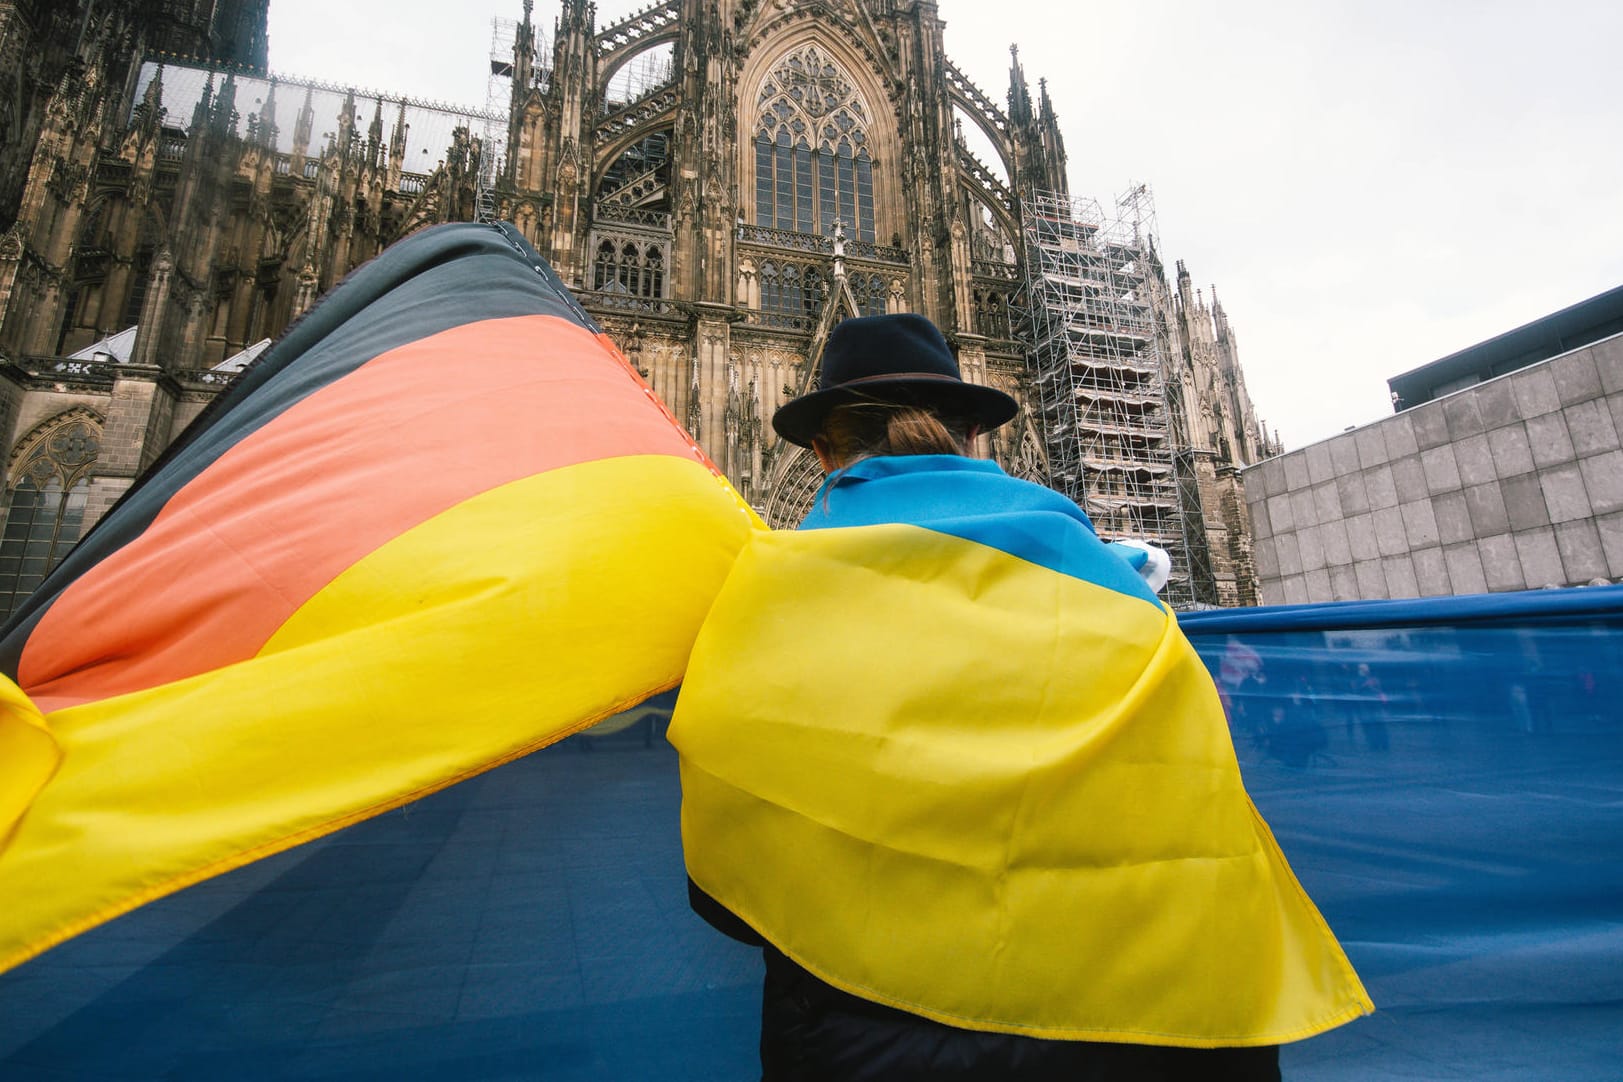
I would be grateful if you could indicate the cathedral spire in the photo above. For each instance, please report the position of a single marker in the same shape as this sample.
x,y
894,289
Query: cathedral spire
x,y
225,107
523,52
1019,93
302,128
1220,319
397,149
397,139
205,105
1039,150
374,136
149,114
267,117
1053,143
578,15
346,124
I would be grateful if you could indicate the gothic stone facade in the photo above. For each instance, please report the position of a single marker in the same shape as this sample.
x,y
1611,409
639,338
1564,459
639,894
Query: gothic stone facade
x,y
1216,433
699,214
721,180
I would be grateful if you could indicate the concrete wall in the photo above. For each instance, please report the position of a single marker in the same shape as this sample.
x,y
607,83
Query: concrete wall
x,y
1511,484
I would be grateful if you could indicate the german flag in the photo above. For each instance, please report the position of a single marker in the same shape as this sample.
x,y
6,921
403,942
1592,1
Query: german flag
x,y
440,524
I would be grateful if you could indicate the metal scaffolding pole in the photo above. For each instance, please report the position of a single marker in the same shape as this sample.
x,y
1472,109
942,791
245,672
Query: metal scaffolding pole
x,y
498,98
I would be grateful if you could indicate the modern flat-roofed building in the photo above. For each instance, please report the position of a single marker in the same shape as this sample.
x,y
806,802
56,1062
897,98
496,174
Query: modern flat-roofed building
x,y
1501,470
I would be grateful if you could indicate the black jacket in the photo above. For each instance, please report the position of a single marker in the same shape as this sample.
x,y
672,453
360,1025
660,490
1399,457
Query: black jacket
x,y
814,1032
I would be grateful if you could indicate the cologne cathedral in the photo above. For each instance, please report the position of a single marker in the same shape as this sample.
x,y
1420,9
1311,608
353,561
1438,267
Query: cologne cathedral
x,y
721,181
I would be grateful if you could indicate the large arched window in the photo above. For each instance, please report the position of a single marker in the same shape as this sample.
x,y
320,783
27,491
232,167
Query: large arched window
x,y
45,508
812,166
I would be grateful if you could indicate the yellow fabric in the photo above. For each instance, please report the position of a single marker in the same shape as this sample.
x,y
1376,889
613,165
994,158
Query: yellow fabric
x,y
955,782
28,754
500,626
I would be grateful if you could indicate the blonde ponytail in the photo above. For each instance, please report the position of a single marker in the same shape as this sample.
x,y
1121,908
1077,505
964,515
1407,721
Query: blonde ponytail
x,y
868,429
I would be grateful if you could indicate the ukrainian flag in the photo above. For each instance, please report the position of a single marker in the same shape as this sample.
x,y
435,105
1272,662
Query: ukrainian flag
x,y
440,524
949,754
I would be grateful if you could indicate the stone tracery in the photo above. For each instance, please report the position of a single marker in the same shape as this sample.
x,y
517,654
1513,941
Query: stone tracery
x,y
813,166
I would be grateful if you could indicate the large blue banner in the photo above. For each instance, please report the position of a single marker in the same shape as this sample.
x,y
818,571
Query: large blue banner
x,y
1446,777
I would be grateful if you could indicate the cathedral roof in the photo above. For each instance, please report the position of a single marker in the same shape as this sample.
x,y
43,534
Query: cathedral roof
x,y
239,361
431,123
117,346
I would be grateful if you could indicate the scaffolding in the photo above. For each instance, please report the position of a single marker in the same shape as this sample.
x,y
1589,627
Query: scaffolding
x,y
1090,324
498,102
652,69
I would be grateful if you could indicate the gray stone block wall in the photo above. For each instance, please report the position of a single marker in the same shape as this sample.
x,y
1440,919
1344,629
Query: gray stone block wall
x,y
1512,484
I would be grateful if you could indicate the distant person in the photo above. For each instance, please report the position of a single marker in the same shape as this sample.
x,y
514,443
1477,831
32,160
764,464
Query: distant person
x,y
1370,709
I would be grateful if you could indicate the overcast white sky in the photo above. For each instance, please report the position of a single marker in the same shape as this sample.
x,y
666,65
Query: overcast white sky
x,y
1371,186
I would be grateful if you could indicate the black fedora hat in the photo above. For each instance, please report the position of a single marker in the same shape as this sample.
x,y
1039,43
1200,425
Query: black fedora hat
x,y
896,358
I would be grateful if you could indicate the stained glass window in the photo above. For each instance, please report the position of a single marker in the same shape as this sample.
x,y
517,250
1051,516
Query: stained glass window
x,y
45,509
804,185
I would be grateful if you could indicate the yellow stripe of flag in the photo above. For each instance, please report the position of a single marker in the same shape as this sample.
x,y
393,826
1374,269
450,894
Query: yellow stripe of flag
x,y
497,627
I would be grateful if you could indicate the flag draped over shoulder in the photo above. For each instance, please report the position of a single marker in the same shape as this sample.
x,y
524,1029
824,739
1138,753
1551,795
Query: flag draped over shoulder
x,y
440,524
973,769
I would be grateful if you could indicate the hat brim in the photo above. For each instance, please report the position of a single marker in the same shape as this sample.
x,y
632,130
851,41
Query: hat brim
x,y
985,407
